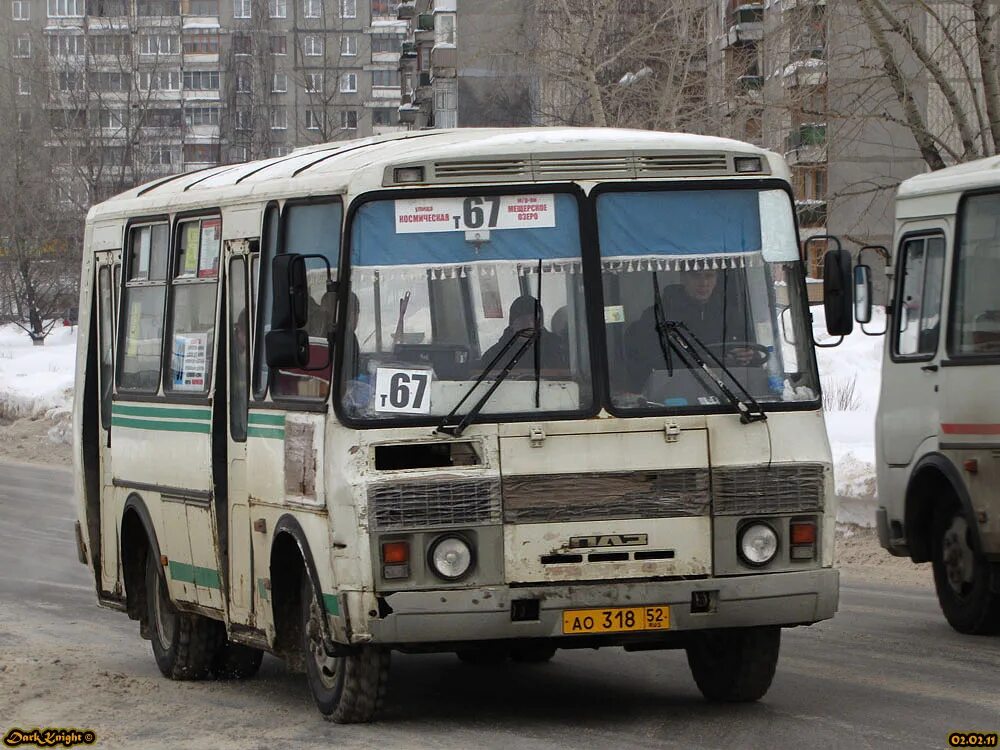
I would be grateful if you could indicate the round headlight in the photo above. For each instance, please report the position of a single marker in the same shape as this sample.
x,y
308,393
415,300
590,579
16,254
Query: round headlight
x,y
451,557
758,544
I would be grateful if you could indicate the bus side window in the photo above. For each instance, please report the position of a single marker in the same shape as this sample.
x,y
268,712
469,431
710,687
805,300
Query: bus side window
x,y
106,323
918,320
262,283
143,307
193,305
239,363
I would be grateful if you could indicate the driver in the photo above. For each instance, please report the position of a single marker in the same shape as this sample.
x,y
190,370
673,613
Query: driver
x,y
710,311
522,316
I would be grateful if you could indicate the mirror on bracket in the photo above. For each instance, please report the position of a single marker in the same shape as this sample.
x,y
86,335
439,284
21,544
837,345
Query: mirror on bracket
x,y
287,343
838,286
862,293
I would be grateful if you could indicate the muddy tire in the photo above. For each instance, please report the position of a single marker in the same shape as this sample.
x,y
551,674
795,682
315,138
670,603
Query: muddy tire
x,y
184,645
346,689
234,661
537,653
735,666
968,586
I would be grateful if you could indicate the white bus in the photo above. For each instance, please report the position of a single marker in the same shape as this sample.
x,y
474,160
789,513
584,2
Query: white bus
x,y
938,424
491,392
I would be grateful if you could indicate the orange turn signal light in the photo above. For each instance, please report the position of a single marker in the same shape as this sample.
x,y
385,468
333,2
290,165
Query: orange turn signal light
x,y
394,553
803,532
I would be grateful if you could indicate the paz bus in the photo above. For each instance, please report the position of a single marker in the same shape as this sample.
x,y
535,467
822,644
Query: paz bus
x,y
938,423
490,392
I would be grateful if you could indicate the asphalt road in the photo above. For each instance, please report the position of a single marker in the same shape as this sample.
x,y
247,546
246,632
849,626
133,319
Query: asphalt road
x,y
886,672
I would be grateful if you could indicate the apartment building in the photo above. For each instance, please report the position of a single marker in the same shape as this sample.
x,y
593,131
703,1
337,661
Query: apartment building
x,y
428,64
128,90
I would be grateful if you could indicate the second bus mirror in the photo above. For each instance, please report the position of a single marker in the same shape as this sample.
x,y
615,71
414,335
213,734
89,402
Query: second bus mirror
x,y
862,294
837,297
290,292
286,347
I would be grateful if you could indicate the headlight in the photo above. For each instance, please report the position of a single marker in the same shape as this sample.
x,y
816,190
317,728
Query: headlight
x,y
758,544
451,557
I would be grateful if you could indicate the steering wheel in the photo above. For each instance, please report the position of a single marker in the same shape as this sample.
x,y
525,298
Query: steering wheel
x,y
759,353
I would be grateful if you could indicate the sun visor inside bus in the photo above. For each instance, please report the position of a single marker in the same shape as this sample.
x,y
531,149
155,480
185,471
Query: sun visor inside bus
x,y
375,241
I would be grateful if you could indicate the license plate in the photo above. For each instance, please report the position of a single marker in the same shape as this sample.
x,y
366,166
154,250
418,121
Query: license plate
x,y
616,619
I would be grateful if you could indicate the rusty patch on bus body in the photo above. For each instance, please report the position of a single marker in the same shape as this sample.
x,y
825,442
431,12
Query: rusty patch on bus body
x,y
300,459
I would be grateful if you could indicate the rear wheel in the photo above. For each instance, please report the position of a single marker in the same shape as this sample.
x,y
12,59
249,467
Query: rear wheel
x,y
347,689
968,586
735,666
184,645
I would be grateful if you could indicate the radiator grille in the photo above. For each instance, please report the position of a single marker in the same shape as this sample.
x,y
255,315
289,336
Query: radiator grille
x,y
409,505
749,490
605,496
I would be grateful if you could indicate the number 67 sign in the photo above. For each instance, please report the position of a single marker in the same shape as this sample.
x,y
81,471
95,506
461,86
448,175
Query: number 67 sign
x,y
402,391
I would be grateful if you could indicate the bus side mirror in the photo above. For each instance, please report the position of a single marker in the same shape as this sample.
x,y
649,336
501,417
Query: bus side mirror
x,y
286,347
862,294
290,292
837,287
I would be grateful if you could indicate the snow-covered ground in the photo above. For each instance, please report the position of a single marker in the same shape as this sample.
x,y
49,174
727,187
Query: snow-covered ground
x,y
38,381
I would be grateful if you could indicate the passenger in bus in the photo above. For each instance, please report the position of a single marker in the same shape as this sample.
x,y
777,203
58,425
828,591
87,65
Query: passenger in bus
x,y
710,308
522,316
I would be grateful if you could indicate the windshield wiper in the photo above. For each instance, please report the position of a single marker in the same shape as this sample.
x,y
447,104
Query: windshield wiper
x,y
675,335
527,336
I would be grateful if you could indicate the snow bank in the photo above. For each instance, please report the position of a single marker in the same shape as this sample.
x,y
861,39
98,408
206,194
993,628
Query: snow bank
x,y
37,381
857,360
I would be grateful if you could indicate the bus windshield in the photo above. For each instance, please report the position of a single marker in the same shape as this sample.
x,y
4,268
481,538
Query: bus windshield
x,y
720,267
443,287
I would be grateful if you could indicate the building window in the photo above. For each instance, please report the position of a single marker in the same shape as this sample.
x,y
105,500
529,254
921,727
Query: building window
x,y
201,42
21,10
244,82
280,83
279,44
108,81
242,44
348,8
24,121
313,119
312,46
22,46
348,45
113,119
200,7
157,8
163,156
385,43
348,83
312,8
385,78
384,8
277,8
67,80
241,119
349,119
314,83
241,8
201,153
24,86
280,149
66,45
104,45
385,116
66,8
240,153
279,118
201,80
194,116
444,28
158,44
159,80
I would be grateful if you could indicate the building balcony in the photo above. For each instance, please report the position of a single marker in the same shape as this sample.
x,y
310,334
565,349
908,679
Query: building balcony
x,y
811,213
787,5
425,79
807,144
406,10
408,49
425,22
444,58
408,114
809,72
751,84
746,24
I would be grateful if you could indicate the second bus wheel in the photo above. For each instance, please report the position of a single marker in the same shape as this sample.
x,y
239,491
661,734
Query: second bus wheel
x,y
347,689
968,585
184,645
736,665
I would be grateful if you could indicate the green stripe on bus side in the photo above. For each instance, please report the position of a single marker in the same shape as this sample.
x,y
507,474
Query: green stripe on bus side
x,y
165,413
332,604
266,432
273,419
152,424
205,577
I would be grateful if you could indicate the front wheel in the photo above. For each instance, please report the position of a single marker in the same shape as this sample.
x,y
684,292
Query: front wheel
x,y
734,666
968,586
347,689
184,645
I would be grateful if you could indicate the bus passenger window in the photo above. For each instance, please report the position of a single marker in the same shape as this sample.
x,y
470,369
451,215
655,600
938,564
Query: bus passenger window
x,y
919,302
105,320
975,318
193,303
145,289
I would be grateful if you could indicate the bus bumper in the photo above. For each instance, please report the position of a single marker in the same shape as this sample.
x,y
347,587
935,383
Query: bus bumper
x,y
486,613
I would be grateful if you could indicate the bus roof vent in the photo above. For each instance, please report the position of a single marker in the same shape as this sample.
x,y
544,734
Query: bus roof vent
x,y
595,166
681,165
486,169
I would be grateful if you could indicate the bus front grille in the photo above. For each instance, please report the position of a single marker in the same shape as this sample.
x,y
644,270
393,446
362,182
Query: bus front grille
x,y
780,488
539,498
422,504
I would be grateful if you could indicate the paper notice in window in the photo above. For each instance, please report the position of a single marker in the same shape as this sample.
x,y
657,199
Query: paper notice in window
x,y
489,288
211,240
475,213
134,313
190,249
189,362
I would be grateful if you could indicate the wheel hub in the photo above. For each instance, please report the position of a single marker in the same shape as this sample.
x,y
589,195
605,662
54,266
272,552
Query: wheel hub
x,y
326,665
166,617
957,555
